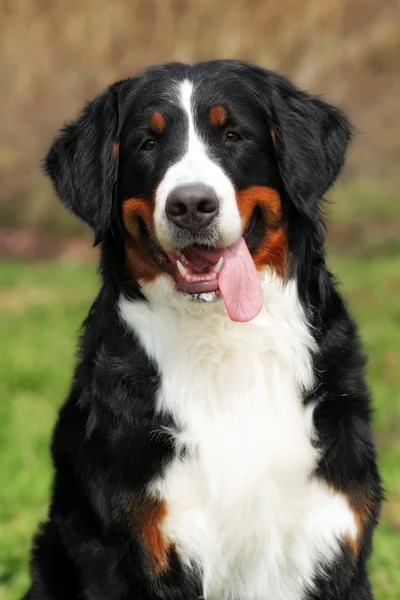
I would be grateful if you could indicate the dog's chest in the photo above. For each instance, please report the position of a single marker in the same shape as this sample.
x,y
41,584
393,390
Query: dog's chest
x,y
240,478
242,508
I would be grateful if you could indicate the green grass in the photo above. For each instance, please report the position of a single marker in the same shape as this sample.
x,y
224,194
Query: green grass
x,y
41,307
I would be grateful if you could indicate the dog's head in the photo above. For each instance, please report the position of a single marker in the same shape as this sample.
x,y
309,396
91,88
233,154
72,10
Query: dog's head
x,y
197,168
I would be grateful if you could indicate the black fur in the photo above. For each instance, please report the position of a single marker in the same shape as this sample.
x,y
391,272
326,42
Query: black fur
x,y
80,163
108,444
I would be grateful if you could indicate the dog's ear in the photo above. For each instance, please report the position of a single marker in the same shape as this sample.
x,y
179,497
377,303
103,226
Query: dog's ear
x,y
311,138
83,161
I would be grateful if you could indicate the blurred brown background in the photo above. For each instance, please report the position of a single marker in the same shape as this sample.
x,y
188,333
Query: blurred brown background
x,y
56,54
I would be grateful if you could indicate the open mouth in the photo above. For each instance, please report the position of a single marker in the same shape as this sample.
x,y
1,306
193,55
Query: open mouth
x,y
196,271
197,268
230,272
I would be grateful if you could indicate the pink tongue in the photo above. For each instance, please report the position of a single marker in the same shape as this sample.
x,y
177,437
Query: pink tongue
x,y
238,281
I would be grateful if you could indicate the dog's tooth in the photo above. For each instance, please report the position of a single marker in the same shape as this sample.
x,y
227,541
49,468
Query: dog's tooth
x,y
218,266
182,270
183,258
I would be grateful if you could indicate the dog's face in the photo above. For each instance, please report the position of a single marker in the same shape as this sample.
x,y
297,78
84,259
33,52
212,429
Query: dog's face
x,y
200,165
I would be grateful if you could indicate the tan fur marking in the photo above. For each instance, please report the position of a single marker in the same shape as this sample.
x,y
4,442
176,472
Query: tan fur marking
x,y
362,511
362,508
115,148
158,122
152,515
136,208
273,131
139,262
272,251
218,115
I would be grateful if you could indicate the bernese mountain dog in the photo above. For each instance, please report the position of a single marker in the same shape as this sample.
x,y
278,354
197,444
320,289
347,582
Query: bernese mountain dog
x,y
216,440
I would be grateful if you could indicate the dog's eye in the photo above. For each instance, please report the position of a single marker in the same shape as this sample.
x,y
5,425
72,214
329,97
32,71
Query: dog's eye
x,y
231,137
148,145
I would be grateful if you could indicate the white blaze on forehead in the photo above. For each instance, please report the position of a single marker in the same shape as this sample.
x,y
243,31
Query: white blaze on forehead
x,y
195,166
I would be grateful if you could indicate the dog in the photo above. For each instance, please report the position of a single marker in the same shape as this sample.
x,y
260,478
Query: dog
x,y
216,440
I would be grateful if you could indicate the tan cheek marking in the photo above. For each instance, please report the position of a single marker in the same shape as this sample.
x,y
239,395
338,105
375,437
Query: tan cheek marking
x,y
135,209
157,122
272,250
267,198
218,115
140,264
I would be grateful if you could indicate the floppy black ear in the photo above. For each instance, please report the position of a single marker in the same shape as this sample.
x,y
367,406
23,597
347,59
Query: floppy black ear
x,y
83,161
311,138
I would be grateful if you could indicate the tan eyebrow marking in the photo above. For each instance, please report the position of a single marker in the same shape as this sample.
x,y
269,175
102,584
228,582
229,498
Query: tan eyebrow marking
x,y
157,122
218,115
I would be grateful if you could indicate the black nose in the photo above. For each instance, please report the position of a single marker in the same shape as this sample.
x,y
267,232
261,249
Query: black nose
x,y
192,206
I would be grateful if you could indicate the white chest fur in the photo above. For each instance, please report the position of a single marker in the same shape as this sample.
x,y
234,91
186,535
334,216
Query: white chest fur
x,y
241,503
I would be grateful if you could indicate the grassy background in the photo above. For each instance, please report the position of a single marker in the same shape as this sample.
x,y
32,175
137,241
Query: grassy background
x,y
41,308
